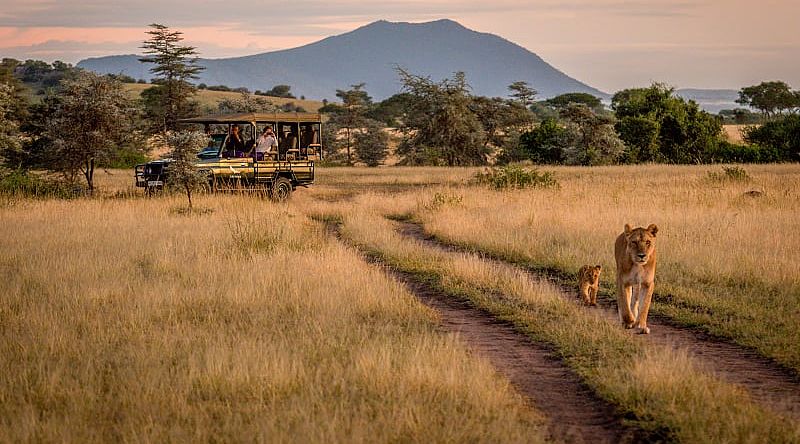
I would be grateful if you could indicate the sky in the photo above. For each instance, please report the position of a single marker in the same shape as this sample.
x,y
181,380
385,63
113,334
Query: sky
x,y
609,44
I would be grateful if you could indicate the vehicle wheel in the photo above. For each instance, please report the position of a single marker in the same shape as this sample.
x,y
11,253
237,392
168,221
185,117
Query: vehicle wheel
x,y
281,189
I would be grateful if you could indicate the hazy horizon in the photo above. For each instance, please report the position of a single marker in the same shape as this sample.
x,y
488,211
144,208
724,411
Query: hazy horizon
x,y
608,44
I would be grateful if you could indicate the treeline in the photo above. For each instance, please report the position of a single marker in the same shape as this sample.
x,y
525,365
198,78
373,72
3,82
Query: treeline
x,y
443,123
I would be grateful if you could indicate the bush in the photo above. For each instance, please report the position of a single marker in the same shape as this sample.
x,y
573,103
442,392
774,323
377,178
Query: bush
x,y
126,158
781,135
443,199
729,174
516,177
24,184
726,152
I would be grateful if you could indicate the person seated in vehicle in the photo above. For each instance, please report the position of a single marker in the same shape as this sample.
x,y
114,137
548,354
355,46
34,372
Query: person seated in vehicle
x,y
234,145
290,143
308,137
267,145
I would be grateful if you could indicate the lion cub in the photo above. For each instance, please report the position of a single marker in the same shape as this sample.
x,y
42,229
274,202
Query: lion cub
x,y
635,253
589,283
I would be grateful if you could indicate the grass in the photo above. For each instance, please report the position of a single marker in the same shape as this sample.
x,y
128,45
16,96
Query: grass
x,y
727,261
124,318
123,321
662,388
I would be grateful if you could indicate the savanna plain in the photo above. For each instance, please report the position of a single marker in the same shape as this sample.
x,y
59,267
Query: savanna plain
x,y
129,318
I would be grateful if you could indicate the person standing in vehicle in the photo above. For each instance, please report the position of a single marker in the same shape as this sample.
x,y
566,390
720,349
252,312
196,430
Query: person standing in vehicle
x,y
234,146
267,144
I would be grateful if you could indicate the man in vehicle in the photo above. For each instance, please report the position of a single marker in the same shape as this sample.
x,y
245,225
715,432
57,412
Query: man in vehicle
x,y
234,145
267,145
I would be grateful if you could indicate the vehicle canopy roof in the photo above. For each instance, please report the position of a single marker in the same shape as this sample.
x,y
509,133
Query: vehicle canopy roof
x,y
255,117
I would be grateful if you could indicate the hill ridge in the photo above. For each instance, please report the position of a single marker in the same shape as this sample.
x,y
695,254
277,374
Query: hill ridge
x,y
370,54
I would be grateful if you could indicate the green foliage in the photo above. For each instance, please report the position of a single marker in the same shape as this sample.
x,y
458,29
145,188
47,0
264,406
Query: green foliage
x,y
501,119
740,116
686,134
371,143
279,91
349,119
522,93
126,157
545,143
516,177
441,128
390,111
21,183
781,136
10,143
590,137
726,152
175,65
729,174
640,135
770,98
93,118
182,171
564,100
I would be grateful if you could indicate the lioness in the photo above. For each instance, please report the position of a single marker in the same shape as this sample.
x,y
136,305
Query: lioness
x,y
589,283
635,252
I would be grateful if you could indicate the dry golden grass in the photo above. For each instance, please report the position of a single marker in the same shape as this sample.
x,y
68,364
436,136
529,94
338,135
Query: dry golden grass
x,y
123,320
728,260
664,388
126,320
733,133
210,98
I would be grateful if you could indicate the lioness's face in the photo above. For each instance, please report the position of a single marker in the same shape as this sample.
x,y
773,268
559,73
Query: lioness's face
x,y
641,243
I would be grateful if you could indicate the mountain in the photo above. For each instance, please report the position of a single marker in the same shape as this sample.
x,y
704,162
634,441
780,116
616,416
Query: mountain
x,y
712,100
370,54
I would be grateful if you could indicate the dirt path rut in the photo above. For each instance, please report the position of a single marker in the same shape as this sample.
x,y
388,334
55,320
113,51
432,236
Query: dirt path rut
x,y
768,383
574,413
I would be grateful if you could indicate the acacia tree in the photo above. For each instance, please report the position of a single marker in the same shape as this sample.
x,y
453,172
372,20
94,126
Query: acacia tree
x,y
175,65
770,98
350,116
591,139
182,172
440,126
371,143
92,119
522,93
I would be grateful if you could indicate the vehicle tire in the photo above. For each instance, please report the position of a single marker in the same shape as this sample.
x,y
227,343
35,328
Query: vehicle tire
x,y
281,189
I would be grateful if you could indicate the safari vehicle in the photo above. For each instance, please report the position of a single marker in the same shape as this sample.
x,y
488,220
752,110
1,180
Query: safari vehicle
x,y
227,169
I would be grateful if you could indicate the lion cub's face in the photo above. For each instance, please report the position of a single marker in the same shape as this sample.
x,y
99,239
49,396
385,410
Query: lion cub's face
x,y
641,243
594,273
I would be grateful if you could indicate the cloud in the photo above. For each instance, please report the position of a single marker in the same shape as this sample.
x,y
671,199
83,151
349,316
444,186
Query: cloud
x,y
263,17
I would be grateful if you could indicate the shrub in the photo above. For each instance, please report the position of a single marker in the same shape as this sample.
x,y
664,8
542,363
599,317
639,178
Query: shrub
x,y
443,199
727,152
729,174
24,184
517,177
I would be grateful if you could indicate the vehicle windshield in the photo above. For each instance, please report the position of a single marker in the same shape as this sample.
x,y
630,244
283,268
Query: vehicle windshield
x,y
215,142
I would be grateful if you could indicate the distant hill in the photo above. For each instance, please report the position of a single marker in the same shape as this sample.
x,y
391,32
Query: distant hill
x,y
711,100
370,54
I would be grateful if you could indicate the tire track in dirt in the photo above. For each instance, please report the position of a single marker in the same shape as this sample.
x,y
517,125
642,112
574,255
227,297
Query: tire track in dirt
x,y
574,413
768,383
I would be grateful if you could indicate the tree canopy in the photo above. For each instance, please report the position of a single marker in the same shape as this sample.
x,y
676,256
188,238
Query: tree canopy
x,y
174,66
93,118
771,98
